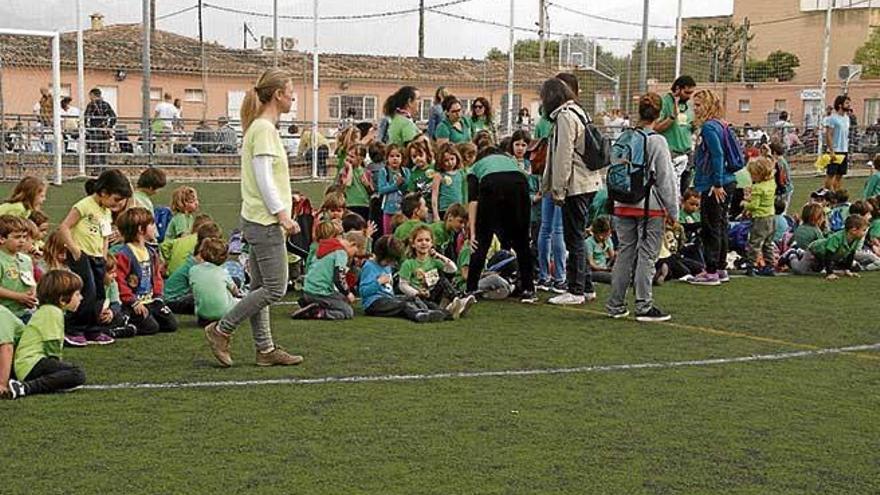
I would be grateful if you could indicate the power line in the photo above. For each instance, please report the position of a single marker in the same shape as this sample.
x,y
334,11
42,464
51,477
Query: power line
x,y
393,13
177,12
607,19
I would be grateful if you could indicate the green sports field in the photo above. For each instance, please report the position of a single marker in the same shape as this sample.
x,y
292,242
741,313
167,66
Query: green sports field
x,y
746,390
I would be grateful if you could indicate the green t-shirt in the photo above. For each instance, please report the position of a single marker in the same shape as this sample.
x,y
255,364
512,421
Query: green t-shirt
x,y
111,292
210,286
356,193
441,235
262,138
835,246
411,268
464,261
17,275
10,326
319,279
685,218
402,130
599,206
41,337
16,209
678,135
405,229
543,128
481,124
180,225
95,223
598,250
142,199
419,178
445,130
805,234
176,251
494,164
872,186
534,189
874,229
451,184
761,205
177,285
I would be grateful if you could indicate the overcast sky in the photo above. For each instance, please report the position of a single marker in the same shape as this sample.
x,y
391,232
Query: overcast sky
x,y
395,35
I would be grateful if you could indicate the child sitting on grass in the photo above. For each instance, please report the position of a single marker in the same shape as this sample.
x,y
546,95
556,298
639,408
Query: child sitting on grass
x,y
177,293
812,226
184,203
445,231
10,326
414,208
38,363
148,184
671,262
833,254
759,205
139,275
376,287
112,315
176,251
17,282
213,290
326,296
600,250
872,185
422,275
28,196
54,253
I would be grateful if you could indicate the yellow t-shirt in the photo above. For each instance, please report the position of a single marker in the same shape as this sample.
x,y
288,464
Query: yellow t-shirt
x,y
15,209
262,138
95,223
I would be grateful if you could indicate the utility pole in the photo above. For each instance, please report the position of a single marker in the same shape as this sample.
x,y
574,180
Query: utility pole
x,y
678,37
643,70
204,63
275,33
510,75
153,16
542,14
80,91
145,87
421,28
742,72
826,52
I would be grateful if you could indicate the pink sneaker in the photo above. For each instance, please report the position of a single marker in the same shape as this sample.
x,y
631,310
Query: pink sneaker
x,y
102,339
75,341
705,278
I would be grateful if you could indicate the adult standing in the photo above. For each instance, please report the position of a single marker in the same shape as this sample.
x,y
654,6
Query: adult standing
x,y
227,138
100,120
837,142
716,186
435,116
677,126
400,108
482,118
265,220
69,123
454,128
640,235
45,111
166,115
499,204
570,183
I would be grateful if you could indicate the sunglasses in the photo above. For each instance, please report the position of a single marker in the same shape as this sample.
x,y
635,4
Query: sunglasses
x,y
478,106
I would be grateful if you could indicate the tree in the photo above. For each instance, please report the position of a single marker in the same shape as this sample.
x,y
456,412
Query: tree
x,y
779,66
869,56
528,50
719,46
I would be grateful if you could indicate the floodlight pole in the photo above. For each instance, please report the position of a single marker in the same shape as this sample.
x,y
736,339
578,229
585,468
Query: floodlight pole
x,y
56,104
825,54
678,37
275,33
147,135
80,91
315,89
643,70
510,75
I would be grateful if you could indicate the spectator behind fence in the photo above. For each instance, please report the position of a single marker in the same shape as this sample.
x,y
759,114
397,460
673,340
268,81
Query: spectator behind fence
x,y
227,137
100,120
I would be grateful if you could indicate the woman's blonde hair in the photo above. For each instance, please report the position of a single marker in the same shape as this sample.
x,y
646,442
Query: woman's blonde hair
x,y
710,106
270,81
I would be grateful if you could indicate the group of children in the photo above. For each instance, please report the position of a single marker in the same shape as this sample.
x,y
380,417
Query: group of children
x,y
109,270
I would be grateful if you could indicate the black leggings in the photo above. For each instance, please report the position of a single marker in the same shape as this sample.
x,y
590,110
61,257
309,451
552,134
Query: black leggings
x,y
399,306
50,374
503,209
159,318
85,319
714,226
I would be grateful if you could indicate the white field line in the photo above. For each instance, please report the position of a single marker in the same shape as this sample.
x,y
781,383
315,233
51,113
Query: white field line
x,y
484,374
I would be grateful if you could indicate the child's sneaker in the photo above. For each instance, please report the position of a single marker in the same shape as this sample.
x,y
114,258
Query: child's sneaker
x,y
468,302
705,278
528,297
123,331
75,341
652,315
278,357
567,299
457,307
16,390
543,285
618,313
723,276
559,287
219,342
307,312
101,339
422,317
766,271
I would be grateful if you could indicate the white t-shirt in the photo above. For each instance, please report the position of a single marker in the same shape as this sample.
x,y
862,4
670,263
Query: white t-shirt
x,y
167,113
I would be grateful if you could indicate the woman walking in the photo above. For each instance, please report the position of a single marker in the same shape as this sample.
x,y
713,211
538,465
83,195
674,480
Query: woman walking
x,y
265,220
640,235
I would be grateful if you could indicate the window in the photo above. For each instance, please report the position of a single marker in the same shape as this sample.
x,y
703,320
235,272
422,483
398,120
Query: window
x,y
155,94
364,106
425,109
872,111
745,106
779,105
192,95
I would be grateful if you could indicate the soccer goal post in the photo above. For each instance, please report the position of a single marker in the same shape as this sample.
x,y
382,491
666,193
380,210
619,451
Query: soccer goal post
x,y
54,36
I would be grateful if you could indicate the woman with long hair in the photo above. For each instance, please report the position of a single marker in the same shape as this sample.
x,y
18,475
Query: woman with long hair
x,y
454,128
715,184
640,229
482,118
266,206
400,108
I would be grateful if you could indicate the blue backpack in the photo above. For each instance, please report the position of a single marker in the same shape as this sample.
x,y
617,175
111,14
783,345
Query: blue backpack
x,y
162,215
734,156
628,179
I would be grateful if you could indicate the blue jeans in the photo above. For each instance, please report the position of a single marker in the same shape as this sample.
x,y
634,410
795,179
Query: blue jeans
x,y
550,236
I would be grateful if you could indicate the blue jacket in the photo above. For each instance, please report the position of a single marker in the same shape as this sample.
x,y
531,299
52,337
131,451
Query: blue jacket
x,y
710,167
436,116
391,193
369,287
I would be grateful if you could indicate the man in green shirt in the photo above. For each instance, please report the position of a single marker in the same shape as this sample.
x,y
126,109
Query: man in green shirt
x,y
676,123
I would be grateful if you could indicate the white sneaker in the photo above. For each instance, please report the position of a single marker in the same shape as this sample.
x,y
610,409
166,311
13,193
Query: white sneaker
x,y
567,299
457,307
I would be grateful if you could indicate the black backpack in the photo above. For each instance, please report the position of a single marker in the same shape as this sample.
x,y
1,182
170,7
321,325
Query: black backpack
x,y
597,148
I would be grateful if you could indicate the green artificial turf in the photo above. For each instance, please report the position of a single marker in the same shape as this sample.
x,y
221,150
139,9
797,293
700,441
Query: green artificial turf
x,y
803,425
